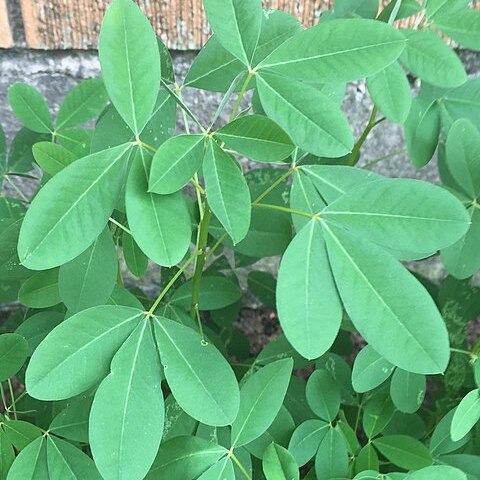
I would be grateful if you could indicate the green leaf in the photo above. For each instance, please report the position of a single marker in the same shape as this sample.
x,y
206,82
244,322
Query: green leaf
x,y
369,370
136,260
430,59
306,439
463,156
41,290
279,464
227,191
31,462
3,150
52,157
7,456
462,259
441,441
377,415
13,353
236,25
177,422
355,8
89,279
462,26
72,421
126,421
391,92
160,224
257,137
312,120
385,302
90,339
308,306
443,7
403,451
30,107
466,415
21,433
261,397
407,9
216,292
35,328
467,464
55,232
77,140
367,459
262,285
336,51
185,458
323,395
422,129
222,470
20,156
188,362
388,211
175,163
332,456
130,62
68,462
444,472
407,390
84,102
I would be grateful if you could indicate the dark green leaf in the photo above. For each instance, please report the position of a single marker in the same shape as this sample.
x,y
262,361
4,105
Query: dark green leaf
x,y
403,451
13,353
52,157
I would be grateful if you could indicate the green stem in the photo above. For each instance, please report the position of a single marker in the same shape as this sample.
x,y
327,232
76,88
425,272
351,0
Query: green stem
x,y
12,398
4,401
463,352
354,156
239,465
170,284
120,226
147,147
357,420
385,157
215,246
250,75
285,209
277,182
200,260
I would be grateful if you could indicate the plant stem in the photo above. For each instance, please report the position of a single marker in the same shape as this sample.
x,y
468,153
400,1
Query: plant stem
x,y
354,156
250,75
200,260
215,246
285,209
147,147
4,401
170,284
12,398
120,226
464,352
239,465
277,182
385,157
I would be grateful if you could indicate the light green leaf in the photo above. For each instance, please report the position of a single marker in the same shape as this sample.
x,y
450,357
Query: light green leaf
x,y
387,212
177,422
227,191
466,415
404,451
430,59
136,260
72,421
68,462
444,472
306,439
279,464
21,433
323,395
441,441
13,353
7,456
85,102
257,137
160,224
130,62
52,157
236,25
31,462
30,107
89,279
367,459
369,370
222,470
55,232
175,163
463,156
443,7
185,458
188,362
407,9
308,306
332,456
89,339
261,397
377,415
391,92
389,307
336,51
463,26
41,290
126,421
312,120
407,390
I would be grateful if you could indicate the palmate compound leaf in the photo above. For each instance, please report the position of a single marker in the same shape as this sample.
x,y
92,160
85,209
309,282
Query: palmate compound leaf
x,y
189,362
54,232
130,62
388,306
160,224
308,305
336,51
126,420
76,355
261,398
387,213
